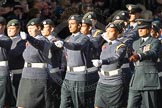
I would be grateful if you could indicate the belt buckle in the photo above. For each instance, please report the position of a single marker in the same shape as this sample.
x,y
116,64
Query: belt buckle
x,y
106,73
29,65
71,69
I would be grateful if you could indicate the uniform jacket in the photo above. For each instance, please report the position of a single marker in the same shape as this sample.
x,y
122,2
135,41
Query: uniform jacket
x,y
145,76
16,60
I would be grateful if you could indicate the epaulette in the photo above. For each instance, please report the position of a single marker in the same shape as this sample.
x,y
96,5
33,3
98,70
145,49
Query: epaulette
x,y
97,32
119,46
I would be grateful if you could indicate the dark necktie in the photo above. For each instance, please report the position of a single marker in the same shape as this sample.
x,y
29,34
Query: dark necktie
x,y
142,41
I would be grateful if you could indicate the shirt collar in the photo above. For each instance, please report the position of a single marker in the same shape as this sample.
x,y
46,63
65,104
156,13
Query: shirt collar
x,y
104,36
50,37
38,36
76,34
14,37
89,35
145,38
1,35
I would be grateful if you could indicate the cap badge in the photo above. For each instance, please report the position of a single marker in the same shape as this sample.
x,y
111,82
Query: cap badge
x,y
44,22
32,23
13,24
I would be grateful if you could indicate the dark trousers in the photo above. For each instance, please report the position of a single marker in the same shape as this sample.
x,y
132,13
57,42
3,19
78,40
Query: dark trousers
x,y
143,99
55,89
3,86
77,94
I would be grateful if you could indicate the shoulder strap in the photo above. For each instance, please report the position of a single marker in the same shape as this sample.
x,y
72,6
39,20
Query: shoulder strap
x,y
96,32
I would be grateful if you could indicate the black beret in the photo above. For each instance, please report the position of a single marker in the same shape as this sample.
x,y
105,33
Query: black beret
x,y
132,9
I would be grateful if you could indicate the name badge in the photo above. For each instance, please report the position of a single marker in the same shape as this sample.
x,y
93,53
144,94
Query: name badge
x,y
146,48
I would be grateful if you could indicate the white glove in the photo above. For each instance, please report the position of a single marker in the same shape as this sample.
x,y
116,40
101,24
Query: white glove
x,y
59,44
97,63
23,35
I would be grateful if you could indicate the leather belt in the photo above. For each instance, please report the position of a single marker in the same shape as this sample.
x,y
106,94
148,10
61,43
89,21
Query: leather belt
x,y
76,69
111,73
36,65
3,63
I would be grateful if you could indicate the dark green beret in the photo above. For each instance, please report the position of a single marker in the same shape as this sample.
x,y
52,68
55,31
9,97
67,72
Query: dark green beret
x,y
34,21
48,22
86,21
156,25
13,22
2,20
115,25
90,15
77,18
122,15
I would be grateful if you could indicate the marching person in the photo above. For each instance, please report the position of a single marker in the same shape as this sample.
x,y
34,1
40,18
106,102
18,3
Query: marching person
x,y
5,45
16,61
56,58
145,81
110,87
33,88
92,16
73,91
94,53
155,33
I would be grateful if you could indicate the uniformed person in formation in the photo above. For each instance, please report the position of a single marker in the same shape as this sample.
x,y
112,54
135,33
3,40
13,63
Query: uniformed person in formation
x,y
145,80
126,37
16,61
33,88
73,91
93,51
135,13
155,32
110,88
56,58
92,16
5,45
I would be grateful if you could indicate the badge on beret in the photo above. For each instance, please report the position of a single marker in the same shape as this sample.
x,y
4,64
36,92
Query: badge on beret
x,y
89,16
146,48
117,17
83,21
111,25
44,22
129,7
139,22
12,24
32,23
123,13
72,17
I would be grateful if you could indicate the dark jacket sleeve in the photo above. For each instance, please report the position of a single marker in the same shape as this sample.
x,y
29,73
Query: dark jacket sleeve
x,y
5,43
78,45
